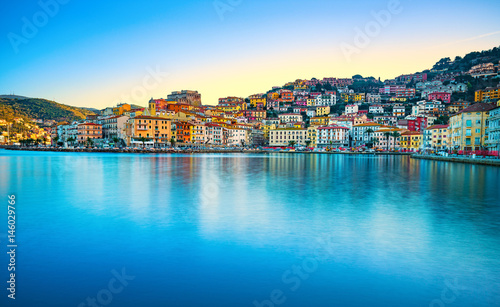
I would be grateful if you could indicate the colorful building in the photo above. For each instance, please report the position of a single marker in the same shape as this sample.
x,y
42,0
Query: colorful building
x,y
469,127
436,137
88,131
411,140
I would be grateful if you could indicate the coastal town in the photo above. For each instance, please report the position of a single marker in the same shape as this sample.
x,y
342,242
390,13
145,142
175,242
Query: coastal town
x,y
421,112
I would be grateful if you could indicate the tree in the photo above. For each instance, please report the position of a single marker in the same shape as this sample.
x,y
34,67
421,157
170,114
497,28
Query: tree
x,y
115,141
71,140
89,142
55,139
143,140
172,141
292,143
369,131
395,135
387,136
308,142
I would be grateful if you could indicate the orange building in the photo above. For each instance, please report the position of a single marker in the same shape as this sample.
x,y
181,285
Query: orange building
x,y
157,130
89,131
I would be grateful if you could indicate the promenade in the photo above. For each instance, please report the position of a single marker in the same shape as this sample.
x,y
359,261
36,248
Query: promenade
x,y
468,160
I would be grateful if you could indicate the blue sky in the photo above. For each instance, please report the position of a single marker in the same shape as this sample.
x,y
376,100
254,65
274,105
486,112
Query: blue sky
x,y
98,53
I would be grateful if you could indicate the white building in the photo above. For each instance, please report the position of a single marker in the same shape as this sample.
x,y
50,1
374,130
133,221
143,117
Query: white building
x,y
360,133
351,109
114,126
290,118
283,136
326,100
333,136
373,98
376,109
237,137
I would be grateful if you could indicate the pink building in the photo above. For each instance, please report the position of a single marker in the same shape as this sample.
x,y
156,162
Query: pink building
x,y
443,96
405,92
390,89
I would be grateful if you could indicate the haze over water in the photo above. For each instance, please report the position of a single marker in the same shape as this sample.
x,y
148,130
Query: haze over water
x,y
228,230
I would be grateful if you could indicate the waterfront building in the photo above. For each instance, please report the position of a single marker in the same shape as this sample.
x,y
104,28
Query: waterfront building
x,y
312,135
385,138
283,136
114,127
332,136
411,140
493,142
361,134
88,131
469,127
436,137
155,131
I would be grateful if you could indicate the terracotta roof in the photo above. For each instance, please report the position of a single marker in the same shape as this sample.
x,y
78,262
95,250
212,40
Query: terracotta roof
x,y
333,127
412,133
478,107
89,124
438,127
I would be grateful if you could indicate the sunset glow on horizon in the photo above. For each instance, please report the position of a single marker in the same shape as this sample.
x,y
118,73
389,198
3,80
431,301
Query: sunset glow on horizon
x,y
96,54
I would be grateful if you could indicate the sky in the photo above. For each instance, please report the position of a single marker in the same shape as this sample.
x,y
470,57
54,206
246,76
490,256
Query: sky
x,y
100,53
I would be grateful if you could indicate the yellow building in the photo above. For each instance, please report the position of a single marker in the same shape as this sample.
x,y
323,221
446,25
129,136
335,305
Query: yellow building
x,y
311,102
353,97
273,96
320,111
312,136
257,99
436,137
267,128
410,140
468,127
490,93
121,109
158,131
320,121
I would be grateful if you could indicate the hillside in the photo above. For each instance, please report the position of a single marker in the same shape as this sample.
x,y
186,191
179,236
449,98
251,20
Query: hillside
x,y
465,63
35,108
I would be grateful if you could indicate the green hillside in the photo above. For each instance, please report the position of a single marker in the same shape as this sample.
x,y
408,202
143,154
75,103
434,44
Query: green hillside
x,y
35,108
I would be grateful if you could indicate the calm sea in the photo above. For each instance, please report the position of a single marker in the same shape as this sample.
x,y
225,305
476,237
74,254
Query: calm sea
x,y
250,230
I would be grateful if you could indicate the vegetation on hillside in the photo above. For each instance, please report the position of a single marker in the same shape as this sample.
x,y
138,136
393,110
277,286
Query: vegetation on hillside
x,y
465,63
34,108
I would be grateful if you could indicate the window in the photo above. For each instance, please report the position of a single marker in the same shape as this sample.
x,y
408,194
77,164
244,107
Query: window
x,y
468,132
468,123
477,141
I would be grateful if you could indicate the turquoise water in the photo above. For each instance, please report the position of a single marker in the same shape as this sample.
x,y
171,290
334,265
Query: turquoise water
x,y
250,230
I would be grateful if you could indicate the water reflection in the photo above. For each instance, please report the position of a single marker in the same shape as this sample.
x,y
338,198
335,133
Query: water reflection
x,y
392,219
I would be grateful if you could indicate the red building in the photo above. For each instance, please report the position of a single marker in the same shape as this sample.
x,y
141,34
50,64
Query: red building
x,y
417,123
443,96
